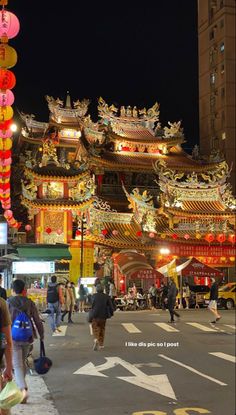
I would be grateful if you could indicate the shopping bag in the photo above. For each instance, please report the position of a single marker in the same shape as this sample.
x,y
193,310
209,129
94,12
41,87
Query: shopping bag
x,y
10,395
42,364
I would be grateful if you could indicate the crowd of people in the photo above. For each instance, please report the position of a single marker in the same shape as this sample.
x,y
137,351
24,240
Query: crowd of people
x,y
62,302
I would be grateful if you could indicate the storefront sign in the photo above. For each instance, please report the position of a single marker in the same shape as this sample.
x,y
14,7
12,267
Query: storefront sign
x,y
3,233
33,267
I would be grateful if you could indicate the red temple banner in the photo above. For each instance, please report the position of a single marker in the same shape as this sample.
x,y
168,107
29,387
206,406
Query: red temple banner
x,y
187,250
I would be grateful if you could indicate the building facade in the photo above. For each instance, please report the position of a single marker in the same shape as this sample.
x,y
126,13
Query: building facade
x,y
216,34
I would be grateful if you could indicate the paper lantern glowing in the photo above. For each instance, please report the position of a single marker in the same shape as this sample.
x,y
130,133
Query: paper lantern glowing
x,y
115,232
5,125
209,237
126,233
6,133
139,233
8,56
231,238
7,79
9,24
6,113
48,231
8,214
174,236
59,231
221,238
6,98
163,235
38,229
186,236
104,232
28,228
151,235
198,236
78,233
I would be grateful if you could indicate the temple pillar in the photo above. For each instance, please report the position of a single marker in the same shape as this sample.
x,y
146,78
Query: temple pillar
x,y
68,226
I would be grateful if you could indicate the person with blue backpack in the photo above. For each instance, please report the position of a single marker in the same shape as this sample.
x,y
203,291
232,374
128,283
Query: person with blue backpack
x,y
25,318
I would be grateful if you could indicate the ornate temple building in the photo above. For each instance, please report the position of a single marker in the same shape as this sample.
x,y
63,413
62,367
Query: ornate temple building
x,y
123,182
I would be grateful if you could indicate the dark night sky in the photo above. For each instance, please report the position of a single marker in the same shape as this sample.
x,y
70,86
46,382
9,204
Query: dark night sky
x,y
127,53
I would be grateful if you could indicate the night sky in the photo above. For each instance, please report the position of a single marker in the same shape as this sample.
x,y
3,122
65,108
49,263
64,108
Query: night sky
x,y
127,53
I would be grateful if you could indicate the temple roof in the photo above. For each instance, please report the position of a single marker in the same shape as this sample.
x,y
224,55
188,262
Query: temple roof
x,y
56,204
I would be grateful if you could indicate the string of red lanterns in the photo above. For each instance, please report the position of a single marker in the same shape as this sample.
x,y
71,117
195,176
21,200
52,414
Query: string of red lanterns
x,y
9,28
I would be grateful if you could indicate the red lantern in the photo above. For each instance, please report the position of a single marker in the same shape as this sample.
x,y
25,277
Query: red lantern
x,y
221,238
104,232
139,233
174,236
231,238
59,231
5,125
209,237
48,230
77,233
7,79
28,228
151,235
186,236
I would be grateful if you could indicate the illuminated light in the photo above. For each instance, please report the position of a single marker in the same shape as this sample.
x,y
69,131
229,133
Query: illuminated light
x,y
13,128
164,251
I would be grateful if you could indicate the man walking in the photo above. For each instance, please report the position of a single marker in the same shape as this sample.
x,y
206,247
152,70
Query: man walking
x,y
213,300
102,309
54,300
172,293
18,305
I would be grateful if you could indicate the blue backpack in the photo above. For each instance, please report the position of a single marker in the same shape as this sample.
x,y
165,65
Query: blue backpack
x,y
22,330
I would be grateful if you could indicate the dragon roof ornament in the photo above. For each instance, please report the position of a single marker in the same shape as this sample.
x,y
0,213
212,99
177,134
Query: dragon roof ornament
x,y
30,122
128,115
56,107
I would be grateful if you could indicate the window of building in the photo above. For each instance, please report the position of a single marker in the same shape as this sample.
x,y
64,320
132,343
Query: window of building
x,y
213,78
211,34
223,135
222,47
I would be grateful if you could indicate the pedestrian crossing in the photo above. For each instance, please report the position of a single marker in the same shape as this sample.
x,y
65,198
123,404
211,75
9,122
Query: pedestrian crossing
x,y
224,356
62,332
132,328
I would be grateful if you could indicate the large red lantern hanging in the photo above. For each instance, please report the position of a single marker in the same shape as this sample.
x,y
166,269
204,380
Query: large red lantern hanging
x,y
7,79
48,230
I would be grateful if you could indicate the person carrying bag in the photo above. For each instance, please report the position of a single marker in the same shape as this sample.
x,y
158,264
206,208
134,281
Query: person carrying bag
x,y
42,364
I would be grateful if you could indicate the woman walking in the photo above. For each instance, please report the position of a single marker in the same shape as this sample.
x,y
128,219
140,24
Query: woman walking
x,y
82,298
69,302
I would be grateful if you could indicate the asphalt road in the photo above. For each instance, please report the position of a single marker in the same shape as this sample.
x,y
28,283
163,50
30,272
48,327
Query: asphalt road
x,y
144,368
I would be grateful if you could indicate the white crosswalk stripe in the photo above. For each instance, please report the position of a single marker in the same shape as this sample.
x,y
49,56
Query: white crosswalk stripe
x,y
231,326
166,327
63,332
131,328
202,327
224,356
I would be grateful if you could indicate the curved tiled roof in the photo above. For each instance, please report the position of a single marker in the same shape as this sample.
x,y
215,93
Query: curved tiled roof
x,y
58,204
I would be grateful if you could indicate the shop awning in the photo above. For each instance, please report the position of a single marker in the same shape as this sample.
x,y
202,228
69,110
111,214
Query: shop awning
x,y
135,265
195,268
43,252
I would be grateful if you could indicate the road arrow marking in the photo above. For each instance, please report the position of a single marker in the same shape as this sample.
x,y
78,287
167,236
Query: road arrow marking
x,y
157,383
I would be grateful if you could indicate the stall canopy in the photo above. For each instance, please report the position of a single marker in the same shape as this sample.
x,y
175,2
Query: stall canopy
x,y
135,265
195,268
43,252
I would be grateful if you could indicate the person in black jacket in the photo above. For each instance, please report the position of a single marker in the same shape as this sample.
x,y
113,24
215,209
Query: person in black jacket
x,y
172,293
102,309
213,300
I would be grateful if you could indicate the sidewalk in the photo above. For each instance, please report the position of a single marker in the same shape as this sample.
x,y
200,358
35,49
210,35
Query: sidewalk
x,y
39,399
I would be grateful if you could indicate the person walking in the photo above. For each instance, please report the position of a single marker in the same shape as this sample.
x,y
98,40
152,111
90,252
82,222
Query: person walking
x,y
69,302
82,297
186,295
3,292
152,294
172,293
18,304
101,310
112,293
213,300
5,348
55,301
